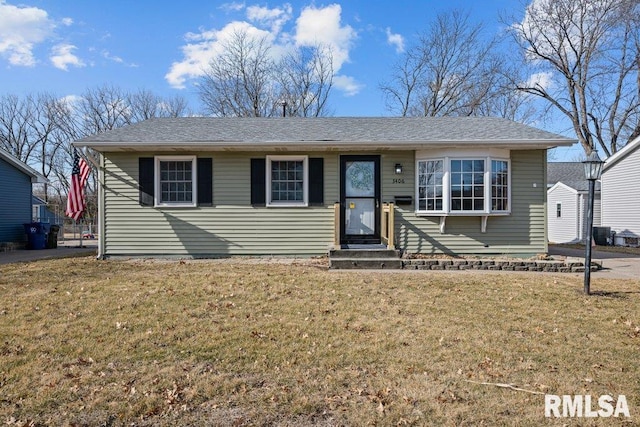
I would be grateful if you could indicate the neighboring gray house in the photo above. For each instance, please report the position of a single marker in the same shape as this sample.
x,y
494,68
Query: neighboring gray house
x,y
16,179
201,187
567,199
621,194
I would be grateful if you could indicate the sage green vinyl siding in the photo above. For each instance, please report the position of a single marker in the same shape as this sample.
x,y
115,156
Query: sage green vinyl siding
x,y
231,227
520,233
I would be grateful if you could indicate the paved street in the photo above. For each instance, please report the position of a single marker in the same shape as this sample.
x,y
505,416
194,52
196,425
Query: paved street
x,y
66,248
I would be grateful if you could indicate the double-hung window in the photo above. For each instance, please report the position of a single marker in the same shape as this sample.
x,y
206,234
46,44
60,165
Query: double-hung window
x,y
430,194
175,181
463,186
287,181
467,185
499,185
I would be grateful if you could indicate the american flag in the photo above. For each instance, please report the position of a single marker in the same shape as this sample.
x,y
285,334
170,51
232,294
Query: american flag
x,y
75,199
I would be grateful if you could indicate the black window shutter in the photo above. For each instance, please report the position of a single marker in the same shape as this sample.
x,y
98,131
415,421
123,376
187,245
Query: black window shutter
x,y
316,181
145,181
205,181
258,186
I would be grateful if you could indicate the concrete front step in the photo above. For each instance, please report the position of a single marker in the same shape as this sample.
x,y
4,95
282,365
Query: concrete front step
x,y
365,263
364,254
365,258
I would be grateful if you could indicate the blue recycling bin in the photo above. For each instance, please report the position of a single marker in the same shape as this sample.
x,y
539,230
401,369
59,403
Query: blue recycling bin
x,y
36,234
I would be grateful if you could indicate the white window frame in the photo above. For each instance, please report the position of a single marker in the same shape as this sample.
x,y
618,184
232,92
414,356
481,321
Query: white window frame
x,y
445,201
508,161
446,184
305,183
194,184
559,210
448,171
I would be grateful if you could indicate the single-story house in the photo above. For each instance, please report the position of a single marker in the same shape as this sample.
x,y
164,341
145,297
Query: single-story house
x,y
16,179
621,196
201,187
568,199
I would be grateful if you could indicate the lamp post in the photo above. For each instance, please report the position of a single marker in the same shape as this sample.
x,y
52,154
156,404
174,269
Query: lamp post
x,y
592,172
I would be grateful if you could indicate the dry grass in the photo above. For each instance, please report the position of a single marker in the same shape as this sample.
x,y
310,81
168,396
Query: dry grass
x,y
231,343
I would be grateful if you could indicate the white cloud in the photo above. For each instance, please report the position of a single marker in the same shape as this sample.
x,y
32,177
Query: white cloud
x,y
62,56
275,18
347,84
203,47
323,26
107,55
395,40
543,80
67,22
21,28
71,100
233,6
313,26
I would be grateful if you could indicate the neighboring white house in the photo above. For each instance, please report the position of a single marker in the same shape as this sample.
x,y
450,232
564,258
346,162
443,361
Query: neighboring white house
x,y
567,200
621,194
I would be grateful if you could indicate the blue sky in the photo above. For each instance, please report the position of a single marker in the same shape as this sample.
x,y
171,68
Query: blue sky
x,y
67,46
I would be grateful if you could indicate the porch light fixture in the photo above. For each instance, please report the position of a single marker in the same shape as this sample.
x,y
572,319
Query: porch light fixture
x,y
398,168
592,172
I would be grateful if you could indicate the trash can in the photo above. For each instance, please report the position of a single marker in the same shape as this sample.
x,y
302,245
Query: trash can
x,y
601,234
36,234
52,237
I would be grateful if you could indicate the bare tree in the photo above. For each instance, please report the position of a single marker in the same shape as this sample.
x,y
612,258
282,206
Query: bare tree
x,y
145,104
239,81
306,77
583,62
452,71
16,116
101,109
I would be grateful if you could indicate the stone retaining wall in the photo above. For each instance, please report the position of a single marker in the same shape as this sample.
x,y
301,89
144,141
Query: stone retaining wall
x,y
496,265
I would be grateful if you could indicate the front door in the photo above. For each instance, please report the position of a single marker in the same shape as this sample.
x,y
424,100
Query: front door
x,y
360,199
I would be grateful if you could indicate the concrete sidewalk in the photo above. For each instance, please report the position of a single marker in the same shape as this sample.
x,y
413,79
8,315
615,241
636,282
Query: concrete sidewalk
x,y
614,265
66,249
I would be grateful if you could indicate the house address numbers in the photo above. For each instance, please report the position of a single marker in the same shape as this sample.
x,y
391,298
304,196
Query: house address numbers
x,y
398,180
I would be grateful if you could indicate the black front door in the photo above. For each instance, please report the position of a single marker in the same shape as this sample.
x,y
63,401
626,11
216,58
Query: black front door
x,y
360,199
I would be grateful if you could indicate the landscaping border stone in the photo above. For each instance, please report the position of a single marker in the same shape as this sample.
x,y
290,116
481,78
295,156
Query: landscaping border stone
x,y
547,266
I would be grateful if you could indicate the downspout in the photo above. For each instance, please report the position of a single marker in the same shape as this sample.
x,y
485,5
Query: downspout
x,y
580,217
101,214
546,202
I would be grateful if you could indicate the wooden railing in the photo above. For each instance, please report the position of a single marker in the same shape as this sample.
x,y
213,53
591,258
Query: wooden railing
x,y
336,225
387,219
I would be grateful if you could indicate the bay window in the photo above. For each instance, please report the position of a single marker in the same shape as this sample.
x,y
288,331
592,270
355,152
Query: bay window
x,y
463,186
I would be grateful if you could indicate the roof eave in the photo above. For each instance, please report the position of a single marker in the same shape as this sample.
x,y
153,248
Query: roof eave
x,y
36,178
135,146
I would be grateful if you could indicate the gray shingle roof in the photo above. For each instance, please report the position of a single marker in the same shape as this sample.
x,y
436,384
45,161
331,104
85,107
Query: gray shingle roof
x,y
570,174
329,130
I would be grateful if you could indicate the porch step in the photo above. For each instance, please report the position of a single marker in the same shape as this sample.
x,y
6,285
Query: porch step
x,y
364,259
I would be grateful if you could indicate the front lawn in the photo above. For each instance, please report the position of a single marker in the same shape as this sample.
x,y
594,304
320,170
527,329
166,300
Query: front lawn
x,y
85,342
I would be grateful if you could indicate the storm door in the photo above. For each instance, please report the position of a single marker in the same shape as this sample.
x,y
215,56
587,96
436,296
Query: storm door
x,y
360,199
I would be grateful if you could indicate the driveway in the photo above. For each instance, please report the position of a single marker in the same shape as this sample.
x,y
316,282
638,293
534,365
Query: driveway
x,y
614,265
66,249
